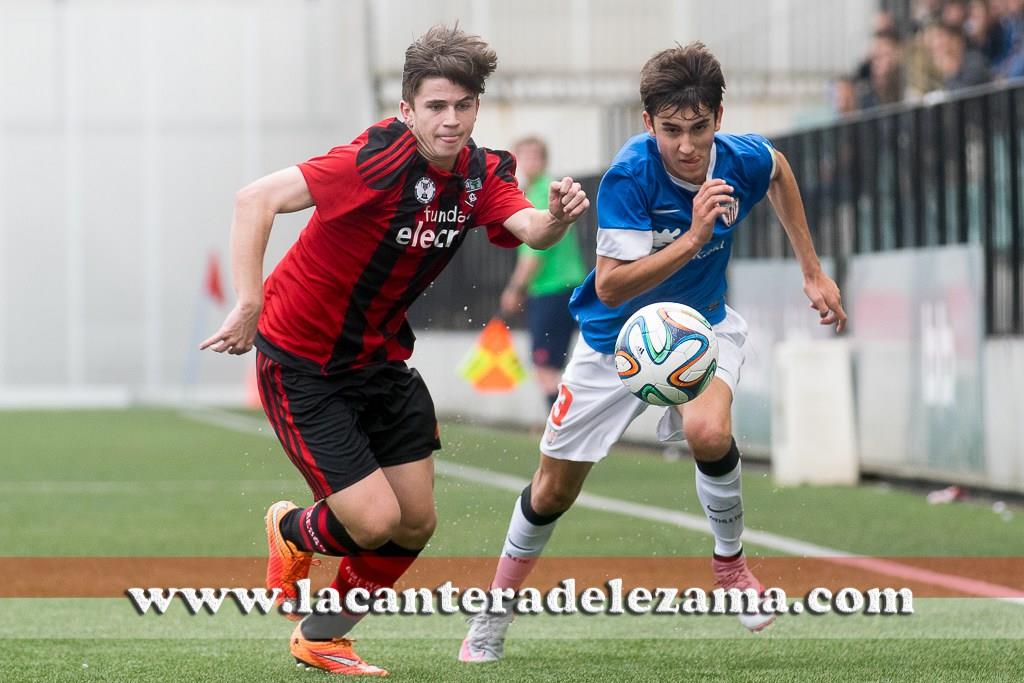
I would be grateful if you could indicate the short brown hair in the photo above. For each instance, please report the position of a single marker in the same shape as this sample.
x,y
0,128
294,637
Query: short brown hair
x,y
447,52
532,140
682,78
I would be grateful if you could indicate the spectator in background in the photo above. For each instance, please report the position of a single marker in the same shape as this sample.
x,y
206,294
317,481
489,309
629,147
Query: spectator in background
x,y
954,13
985,33
924,13
544,280
884,22
1011,21
950,44
844,95
1012,25
960,66
922,74
884,84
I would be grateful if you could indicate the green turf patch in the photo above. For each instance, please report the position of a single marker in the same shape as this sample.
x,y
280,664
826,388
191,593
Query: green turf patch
x,y
155,482
872,520
747,659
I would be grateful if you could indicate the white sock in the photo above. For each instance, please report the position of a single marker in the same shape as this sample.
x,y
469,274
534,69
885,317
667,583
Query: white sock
x,y
722,501
524,543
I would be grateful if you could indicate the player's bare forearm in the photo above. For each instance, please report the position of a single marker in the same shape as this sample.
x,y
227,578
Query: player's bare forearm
x,y
526,269
250,232
784,195
619,281
256,205
514,295
540,229
821,290
545,230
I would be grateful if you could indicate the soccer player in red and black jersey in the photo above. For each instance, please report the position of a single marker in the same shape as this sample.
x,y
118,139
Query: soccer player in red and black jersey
x,y
392,207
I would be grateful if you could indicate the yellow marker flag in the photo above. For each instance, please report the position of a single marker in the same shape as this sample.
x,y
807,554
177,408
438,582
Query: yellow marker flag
x,y
492,364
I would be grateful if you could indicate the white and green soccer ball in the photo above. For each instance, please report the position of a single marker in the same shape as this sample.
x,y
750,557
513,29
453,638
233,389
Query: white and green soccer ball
x,y
666,354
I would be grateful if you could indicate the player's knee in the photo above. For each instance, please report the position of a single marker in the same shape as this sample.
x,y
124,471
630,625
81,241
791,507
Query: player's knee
x,y
552,498
708,436
377,527
415,532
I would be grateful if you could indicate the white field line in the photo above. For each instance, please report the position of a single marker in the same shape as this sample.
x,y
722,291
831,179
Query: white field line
x,y
683,520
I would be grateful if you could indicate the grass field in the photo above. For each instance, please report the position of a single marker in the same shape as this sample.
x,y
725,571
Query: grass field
x,y
160,484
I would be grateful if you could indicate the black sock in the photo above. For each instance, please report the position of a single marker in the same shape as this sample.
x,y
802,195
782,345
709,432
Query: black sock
x,y
728,558
724,465
316,529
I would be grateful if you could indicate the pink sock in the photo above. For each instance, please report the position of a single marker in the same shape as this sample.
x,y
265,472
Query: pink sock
x,y
512,571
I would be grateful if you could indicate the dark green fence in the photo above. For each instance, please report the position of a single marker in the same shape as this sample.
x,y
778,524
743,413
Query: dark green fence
x,y
909,176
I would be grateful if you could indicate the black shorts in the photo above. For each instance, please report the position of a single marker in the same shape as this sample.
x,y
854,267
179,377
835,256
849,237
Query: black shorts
x,y
551,329
338,429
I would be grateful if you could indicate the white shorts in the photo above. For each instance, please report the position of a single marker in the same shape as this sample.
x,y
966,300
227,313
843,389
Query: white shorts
x,y
594,407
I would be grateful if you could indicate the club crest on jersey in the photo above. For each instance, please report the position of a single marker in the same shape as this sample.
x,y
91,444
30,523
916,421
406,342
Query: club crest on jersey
x,y
662,238
732,213
424,190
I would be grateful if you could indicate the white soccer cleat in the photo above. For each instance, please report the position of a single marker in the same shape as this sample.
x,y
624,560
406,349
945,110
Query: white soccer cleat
x,y
485,641
758,621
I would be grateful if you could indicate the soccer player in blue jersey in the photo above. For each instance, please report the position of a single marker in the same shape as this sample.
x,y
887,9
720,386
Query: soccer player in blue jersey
x,y
667,209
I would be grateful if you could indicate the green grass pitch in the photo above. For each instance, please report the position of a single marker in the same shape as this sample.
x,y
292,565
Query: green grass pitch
x,y
160,483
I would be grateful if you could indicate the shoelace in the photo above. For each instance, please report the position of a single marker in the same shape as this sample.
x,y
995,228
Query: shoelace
x,y
740,577
299,569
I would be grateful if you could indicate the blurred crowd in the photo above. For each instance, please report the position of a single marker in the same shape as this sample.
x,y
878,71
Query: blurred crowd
x,y
943,46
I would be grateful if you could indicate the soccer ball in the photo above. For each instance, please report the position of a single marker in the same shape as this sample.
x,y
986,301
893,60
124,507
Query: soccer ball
x,y
666,354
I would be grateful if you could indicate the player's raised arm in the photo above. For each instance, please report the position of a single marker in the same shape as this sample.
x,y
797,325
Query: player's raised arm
x,y
540,229
256,205
617,281
784,195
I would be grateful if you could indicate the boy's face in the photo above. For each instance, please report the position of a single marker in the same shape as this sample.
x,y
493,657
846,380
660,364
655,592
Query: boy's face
x,y
441,117
530,160
684,140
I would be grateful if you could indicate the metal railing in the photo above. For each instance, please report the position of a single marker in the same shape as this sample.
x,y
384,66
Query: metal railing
x,y
915,175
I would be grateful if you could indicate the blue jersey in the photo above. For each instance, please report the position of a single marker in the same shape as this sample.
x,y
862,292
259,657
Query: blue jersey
x,y
641,209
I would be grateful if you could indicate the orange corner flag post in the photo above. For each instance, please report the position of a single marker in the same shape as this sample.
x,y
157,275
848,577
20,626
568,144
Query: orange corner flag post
x,y
492,364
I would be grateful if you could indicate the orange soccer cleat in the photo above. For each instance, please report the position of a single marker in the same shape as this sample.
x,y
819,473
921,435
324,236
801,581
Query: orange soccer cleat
x,y
286,564
333,656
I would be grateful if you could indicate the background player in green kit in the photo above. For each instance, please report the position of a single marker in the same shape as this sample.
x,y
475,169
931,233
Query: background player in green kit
x,y
544,279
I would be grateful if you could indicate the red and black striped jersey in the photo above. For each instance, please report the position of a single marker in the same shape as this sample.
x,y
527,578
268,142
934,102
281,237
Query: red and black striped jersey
x,y
386,224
